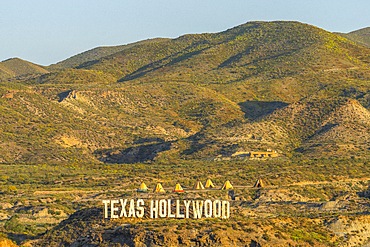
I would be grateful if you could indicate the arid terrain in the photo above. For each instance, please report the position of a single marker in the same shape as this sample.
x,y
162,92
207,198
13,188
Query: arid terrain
x,y
284,102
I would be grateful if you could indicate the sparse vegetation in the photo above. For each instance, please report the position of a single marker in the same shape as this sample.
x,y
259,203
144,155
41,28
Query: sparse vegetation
x,y
175,110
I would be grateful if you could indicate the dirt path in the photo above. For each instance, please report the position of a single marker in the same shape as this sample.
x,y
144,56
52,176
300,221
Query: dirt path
x,y
53,192
304,183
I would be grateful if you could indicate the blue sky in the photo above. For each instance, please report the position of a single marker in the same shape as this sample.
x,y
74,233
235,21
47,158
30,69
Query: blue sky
x,y
48,31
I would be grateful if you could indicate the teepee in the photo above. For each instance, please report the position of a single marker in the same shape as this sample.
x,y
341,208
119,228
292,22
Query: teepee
x,y
227,186
158,188
142,188
178,188
209,184
259,183
199,186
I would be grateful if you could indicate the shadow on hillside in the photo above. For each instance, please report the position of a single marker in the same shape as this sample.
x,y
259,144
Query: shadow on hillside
x,y
236,58
131,155
327,127
198,143
167,61
254,110
195,144
87,64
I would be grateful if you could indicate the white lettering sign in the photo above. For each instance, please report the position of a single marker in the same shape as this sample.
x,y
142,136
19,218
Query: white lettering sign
x,y
166,208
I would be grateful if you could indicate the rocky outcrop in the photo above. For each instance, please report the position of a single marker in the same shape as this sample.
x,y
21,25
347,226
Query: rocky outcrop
x,y
355,231
88,228
70,94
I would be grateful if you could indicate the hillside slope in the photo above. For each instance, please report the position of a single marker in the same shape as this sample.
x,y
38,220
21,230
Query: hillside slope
x,y
59,124
316,127
15,67
258,86
4,72
86,228
271,61
361,36
169,121
95,54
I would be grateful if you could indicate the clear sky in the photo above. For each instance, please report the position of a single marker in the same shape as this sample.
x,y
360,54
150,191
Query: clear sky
x,y
48,31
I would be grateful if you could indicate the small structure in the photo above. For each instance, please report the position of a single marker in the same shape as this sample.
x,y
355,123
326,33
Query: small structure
x,y
209,184
267,154
178,188
227,186
159,188
255,154
142,188
259,183
199,186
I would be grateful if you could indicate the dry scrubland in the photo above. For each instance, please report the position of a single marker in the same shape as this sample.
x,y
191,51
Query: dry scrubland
x,y
296,206
96,125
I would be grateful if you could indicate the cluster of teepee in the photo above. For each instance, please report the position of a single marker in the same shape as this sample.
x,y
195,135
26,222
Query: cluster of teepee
x,y
158,188
178,188
198,186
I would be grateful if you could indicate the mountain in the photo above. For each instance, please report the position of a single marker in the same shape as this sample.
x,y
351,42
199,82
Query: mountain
x,y
15,67
286,86
361,36
280,61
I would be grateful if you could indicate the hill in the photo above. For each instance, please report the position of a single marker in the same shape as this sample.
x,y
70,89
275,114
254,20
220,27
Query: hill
x,y
316,127
95,54
63,124
15,67
272,61
75,76
86,227
197,96
4,72
361,36
183,110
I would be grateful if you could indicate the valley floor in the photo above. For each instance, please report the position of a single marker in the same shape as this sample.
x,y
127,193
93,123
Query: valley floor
x,y
316,203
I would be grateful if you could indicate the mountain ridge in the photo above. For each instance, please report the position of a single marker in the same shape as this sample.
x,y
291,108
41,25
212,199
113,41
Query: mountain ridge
x,y
195,97
95,54
185,58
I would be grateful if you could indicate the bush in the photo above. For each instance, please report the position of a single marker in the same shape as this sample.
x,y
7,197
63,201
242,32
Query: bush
x,y
13,225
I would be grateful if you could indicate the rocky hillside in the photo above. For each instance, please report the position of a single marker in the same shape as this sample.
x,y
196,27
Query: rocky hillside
x,y
262,85
317,127
86,228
